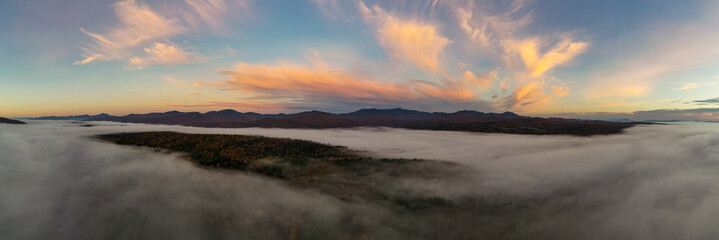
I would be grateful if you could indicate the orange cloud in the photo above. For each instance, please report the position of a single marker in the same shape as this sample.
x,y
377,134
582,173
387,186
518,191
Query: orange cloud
x,y
488,29
138,24
612,89
693,85
469,79
329,8
560,91
211,12
319,84
161,53
529,94
562,52
413,41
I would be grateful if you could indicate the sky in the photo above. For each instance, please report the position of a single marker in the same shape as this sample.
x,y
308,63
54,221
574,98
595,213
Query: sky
x,y
587,59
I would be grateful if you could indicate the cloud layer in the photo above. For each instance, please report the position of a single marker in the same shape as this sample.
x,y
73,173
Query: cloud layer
x,y
654,182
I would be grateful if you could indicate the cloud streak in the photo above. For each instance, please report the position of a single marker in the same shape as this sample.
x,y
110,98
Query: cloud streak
x,y
167,54
139,25
538,63
411,40
492,30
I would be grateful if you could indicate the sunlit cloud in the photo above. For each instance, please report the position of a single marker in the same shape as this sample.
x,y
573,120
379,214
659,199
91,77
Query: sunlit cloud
x,y
329,8
319,84
212,13
560,91
526,95
484,81
693,85
491,30
536,63
87,59
140,25
418,42
694,114
672,49
161,53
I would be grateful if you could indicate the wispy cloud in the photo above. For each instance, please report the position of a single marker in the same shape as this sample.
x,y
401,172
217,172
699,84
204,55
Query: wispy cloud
x,y
536,62
693,85
529,94
560,91
329,8
161,53
212,13
708,101
483,81
694,114
670,49
140,25
320,85
412,40
490,30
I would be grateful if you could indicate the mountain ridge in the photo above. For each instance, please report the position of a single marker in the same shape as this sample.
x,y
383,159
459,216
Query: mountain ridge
x,y
10,121
465,120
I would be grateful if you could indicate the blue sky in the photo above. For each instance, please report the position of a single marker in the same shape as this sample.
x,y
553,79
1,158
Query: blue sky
x,y
564,58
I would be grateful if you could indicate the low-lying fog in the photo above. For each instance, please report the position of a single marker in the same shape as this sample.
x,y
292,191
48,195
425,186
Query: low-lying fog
x,y
654,182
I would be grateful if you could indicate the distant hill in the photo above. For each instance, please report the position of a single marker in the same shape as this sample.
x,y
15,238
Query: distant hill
x,y
10,121
470,121
76,118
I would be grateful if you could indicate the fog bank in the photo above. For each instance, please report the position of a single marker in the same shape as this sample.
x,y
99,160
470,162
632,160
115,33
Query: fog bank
x,y
654,182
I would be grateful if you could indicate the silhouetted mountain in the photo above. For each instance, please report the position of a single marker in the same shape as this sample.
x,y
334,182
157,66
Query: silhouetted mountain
x,y
76,118
388,117
10,121
471,121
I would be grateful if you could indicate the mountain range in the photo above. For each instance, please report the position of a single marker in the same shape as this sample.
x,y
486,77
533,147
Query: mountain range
x,y
467,120
10,121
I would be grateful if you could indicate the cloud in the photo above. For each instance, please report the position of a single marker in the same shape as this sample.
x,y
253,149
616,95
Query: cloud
x,y
138,24
613,89
692,114
693,85
492,30
212,13
484,82
667,50
652,182
560,91
688,85
87,59
536,63
161,53
329,8
320,85
414,41
529,94
708,101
